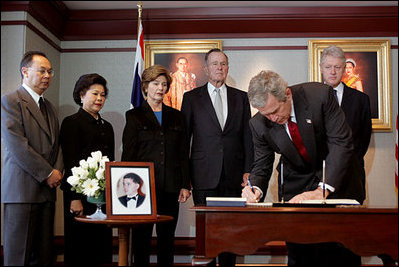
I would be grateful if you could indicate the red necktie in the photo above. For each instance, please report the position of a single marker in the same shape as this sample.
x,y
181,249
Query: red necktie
x,y
297,140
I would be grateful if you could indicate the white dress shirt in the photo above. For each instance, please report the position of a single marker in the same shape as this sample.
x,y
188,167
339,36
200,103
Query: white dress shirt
x,y
33,94
340,92
132,203
223,94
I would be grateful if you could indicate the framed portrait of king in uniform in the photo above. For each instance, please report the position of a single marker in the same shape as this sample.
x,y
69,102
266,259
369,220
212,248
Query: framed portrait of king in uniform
x,y
185,61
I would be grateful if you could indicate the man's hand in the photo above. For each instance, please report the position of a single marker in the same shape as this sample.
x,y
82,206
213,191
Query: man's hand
x,y
55,178
184,195
249,195
245,179
76,207
309,195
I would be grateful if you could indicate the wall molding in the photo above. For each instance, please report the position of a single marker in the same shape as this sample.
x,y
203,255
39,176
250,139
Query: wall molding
x,y
192,23
133,49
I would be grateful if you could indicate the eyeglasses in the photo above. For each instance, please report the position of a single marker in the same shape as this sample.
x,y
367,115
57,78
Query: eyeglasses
x,y
43,71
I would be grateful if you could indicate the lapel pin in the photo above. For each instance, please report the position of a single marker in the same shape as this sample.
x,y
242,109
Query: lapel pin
x,y
309,121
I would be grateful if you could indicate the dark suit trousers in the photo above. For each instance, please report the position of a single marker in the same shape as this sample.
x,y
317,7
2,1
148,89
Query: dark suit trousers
x,y
167,204
224,189
28,234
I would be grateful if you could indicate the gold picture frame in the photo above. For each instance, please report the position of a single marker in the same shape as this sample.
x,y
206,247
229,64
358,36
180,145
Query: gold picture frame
x,y
375,55
167,53
118,205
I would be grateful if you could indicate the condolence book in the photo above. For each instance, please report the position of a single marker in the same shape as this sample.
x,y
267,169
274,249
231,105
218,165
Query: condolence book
x,y
330,203
226,201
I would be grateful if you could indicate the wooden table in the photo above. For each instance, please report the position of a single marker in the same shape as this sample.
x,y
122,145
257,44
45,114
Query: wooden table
x,y
242,230
123,226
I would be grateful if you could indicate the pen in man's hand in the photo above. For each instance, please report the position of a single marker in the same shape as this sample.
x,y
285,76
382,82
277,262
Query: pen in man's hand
x,y
250,185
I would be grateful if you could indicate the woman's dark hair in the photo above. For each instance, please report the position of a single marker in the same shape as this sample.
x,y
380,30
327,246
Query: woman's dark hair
x,y
83,84
136,179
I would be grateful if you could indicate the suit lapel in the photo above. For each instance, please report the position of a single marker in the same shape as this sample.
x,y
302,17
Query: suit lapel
x,y
305,124
35,111
346,99
282,140
149,113
231,103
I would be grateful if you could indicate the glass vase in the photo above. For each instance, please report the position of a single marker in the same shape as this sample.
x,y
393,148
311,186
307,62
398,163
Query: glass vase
x,y
98,214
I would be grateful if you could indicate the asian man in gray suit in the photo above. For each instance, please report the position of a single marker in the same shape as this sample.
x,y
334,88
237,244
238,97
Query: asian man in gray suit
x,y
32,166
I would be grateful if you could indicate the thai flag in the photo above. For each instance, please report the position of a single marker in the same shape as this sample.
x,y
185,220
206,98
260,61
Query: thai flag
x,y
137,95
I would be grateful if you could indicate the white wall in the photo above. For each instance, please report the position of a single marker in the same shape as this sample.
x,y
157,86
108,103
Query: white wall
x,y
117,68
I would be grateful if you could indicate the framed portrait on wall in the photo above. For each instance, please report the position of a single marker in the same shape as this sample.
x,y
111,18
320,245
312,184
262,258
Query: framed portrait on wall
x,y
130,190
367,69
185,61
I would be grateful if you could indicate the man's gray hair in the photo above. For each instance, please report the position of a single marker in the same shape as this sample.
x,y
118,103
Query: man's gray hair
x,y
333,51
265,83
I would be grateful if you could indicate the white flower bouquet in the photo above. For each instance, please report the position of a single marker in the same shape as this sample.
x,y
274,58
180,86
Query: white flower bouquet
x,y
89,177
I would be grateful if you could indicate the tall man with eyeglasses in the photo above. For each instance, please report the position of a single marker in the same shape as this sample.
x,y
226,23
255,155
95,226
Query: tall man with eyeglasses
x,y
32,166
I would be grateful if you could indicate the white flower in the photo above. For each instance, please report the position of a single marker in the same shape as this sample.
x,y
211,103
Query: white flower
x,y
80,172
89,177
93,163
96,155
83,164
100,173
90,186
102,162
73,180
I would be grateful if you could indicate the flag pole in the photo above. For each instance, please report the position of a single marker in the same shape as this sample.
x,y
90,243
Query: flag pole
x,y
140,10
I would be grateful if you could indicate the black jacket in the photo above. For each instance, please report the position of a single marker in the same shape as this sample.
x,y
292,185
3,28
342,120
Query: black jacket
x,y
145,140
80,135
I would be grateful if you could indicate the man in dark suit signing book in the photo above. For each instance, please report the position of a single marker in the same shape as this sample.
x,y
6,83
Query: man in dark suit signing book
x,y
32,166
217,117
306,126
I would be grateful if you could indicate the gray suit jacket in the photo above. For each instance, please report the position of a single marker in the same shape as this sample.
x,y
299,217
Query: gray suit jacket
x,y
31,149
326,136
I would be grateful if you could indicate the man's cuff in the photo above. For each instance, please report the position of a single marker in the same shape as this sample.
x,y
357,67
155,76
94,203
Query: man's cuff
x,y
328,187
257,188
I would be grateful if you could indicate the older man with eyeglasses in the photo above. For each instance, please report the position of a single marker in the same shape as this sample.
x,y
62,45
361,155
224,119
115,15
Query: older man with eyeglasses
x,y
32,166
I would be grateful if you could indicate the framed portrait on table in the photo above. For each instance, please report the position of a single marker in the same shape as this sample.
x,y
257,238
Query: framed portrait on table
x,y
130,190
367,69
185,61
